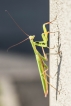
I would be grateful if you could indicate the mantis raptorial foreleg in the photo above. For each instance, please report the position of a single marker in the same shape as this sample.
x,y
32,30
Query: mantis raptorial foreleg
x,y
46,73
44,35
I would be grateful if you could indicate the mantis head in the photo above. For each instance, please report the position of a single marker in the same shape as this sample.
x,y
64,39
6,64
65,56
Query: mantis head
x,y
31,37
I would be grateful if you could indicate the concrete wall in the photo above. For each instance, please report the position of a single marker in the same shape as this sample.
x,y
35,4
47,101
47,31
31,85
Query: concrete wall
x,y
60,63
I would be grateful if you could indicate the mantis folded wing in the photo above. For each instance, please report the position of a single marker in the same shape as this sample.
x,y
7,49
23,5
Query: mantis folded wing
x,y
41,66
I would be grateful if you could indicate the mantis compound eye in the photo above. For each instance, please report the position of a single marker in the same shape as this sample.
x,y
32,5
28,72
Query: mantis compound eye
x,y
31,37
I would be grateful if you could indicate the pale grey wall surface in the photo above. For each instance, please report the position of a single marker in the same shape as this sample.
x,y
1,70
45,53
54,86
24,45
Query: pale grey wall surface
x,y
21,67
8,94
60,63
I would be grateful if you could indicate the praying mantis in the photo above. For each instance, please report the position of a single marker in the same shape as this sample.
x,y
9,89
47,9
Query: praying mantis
x,y
42,66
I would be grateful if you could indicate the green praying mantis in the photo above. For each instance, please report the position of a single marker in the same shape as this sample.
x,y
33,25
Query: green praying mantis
x,y
42,66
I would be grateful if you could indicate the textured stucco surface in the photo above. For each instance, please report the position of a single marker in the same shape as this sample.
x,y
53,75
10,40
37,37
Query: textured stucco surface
x,y
62,63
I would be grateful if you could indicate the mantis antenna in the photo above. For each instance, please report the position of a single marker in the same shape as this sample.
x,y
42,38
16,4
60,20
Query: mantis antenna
x,y
16,23
20,29
17,44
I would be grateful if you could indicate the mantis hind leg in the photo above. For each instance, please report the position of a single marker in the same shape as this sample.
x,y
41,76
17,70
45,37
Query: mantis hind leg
x,y
44,53
46,73
51,85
